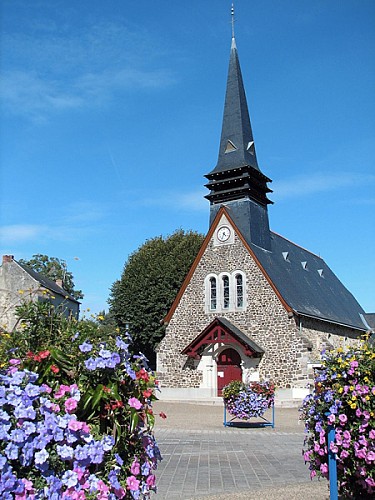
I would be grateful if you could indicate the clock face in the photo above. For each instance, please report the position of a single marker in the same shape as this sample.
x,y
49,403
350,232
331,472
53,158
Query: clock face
x,y
223,233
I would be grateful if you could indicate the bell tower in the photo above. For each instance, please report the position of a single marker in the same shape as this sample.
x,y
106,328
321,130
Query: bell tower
x,y
237,181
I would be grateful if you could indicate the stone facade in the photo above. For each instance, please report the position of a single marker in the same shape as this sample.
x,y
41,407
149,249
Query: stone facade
x,y
291,346
17,287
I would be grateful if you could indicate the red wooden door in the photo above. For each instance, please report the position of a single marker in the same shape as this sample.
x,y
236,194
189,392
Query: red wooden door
x,y
228,368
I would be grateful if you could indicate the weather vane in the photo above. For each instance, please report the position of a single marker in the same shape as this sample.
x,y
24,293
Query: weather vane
x,y
232,13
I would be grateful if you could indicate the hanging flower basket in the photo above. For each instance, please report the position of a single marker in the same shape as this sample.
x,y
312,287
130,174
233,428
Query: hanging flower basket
x,y
245,401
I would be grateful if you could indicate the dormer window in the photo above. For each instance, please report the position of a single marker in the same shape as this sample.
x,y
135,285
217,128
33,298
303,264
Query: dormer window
x,y
230,147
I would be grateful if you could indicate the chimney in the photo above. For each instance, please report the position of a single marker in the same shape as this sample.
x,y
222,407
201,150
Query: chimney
x,y
59,283
8,258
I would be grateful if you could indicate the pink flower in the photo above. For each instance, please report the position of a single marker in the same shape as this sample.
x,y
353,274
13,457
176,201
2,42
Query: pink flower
x,y
70,405
333,447
343,418
61,391
331,418
47,388
372,434
75,425
324,469
312,474
135,468
347,436
344,454
370,457
370,482
132,483
358,412
151,480
135,403
360,453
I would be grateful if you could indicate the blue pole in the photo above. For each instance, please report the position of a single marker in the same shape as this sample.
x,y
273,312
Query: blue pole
x,y
332,465
225,416
273,415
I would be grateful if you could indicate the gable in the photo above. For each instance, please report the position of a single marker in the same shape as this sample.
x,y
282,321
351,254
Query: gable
x,y
220,330
222,219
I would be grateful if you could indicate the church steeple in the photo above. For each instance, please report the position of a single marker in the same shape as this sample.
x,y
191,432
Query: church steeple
x,y
237,176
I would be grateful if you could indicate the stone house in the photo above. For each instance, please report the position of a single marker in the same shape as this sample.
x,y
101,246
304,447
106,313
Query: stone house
x,y
20,283
254,305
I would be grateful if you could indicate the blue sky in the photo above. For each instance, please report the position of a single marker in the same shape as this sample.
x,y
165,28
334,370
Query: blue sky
x,y
111,116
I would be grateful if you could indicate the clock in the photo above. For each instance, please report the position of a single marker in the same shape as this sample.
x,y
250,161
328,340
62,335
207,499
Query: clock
x,y
223,233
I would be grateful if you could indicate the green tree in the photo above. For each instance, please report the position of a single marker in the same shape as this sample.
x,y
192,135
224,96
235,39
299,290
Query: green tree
x,y
152,276
54,269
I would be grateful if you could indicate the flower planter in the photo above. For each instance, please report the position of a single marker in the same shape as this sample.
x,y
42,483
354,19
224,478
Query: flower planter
x,y
246,401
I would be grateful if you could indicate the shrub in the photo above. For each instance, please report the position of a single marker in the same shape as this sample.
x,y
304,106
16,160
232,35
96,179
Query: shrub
x,y
78,423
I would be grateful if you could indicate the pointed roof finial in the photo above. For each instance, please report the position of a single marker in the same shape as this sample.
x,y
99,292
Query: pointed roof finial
x,y
232,14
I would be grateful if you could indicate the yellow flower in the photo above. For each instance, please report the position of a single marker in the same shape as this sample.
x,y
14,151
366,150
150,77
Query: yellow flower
x,y
353,406
21,291
354,398
100,318
351,387
367,398
341,390
340,349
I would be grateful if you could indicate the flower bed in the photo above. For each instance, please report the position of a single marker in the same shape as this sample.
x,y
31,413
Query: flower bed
x,y
245,401
343,397
78,425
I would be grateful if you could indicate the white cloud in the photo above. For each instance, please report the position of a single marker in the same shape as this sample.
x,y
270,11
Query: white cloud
x,y
19,233
56,71
319,182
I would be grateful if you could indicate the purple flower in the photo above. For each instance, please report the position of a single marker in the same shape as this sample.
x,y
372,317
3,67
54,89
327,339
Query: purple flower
x,y
91,364
69,478
85,347
41,456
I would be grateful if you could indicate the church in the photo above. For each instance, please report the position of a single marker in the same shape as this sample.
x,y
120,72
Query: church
x,y
254,305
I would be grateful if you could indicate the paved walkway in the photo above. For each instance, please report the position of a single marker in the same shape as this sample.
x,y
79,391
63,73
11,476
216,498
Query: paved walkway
x,y
204,460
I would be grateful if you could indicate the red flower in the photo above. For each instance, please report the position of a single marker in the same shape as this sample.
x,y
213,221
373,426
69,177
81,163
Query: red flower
x,y
147,393
44,354
143,375
30,355
162,415
55,369
37,358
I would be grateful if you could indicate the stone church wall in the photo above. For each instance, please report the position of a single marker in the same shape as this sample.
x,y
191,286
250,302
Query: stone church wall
x,y
290,347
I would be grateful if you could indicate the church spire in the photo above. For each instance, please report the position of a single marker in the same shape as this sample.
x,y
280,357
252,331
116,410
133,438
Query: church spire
x,y
237,176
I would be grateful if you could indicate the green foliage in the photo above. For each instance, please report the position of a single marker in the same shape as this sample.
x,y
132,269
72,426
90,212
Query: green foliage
x,y
54,269
150,281
233,389
42,326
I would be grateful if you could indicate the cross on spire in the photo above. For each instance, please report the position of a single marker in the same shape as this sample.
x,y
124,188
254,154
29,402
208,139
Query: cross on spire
x,y
233,20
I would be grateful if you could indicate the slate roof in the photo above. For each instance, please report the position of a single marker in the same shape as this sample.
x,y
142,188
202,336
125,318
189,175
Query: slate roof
x,y
47,283
236,126
304,280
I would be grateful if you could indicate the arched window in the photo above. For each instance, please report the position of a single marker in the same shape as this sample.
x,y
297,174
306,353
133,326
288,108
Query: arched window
x,y
213,293
225,292
239,290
